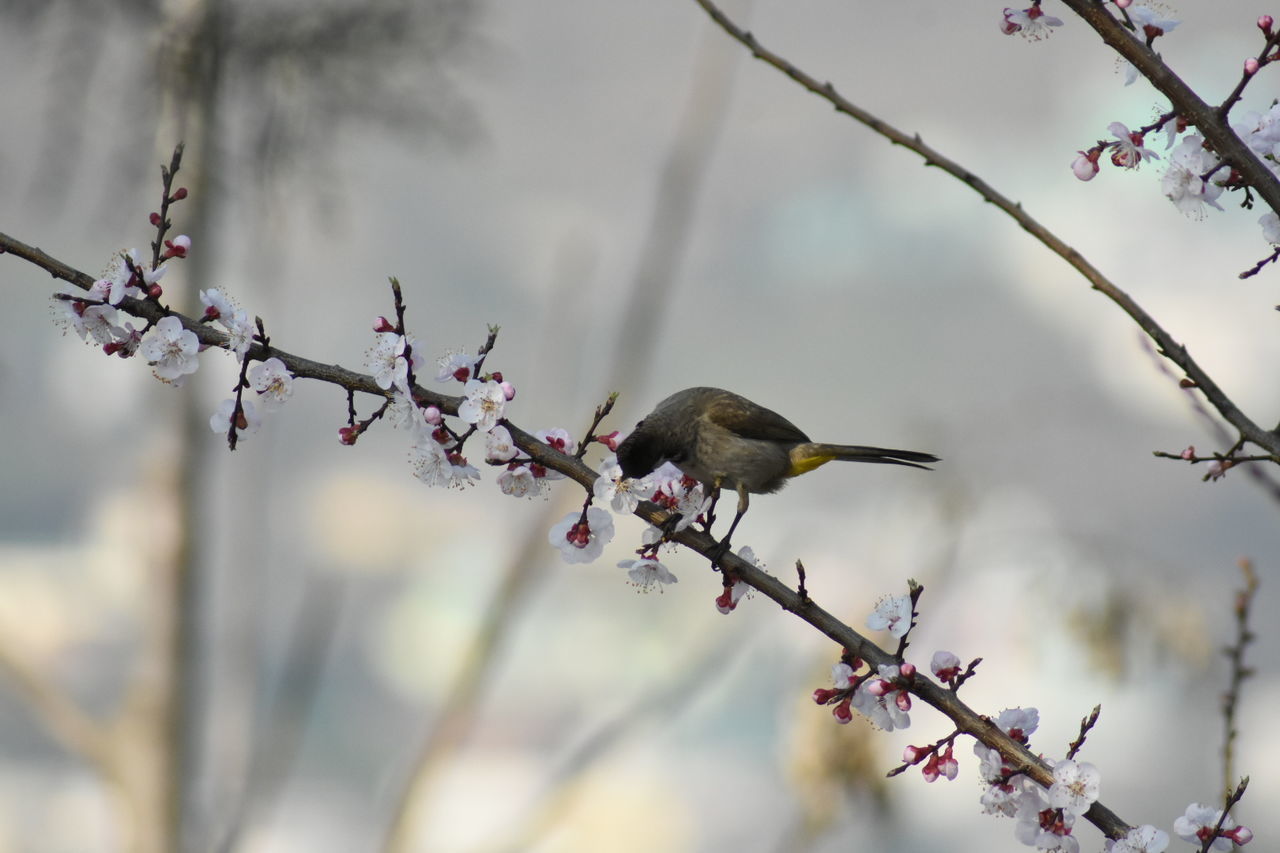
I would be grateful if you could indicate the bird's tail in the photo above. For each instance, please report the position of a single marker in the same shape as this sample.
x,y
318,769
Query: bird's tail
x,y
806,457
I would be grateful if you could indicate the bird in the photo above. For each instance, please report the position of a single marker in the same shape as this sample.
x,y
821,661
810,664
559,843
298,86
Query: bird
x,y
724,440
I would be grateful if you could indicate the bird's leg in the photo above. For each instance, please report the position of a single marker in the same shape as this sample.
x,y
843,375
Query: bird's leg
x,y
710,514
722,547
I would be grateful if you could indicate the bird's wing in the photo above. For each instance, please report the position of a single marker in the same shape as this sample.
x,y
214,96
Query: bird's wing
x,y
749,420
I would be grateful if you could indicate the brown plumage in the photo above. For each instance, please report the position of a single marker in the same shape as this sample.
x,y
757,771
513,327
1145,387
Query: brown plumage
x,y
724,440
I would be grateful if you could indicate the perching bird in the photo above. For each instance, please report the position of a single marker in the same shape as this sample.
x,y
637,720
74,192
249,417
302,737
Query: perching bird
x,y
726,441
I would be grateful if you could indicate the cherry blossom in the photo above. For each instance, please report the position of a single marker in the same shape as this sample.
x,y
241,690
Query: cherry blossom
x,y
455,364
1032,23
1075,786
1140,839
170,350
1197,824
622,493
272,381
1183,182
519,482
386,361
892,612
945,666
1128,152
247,423
582,541
484,404
646,573
498,445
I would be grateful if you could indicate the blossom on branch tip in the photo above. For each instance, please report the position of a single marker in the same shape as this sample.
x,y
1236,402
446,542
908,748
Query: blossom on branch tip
x,y
892,612
579,540
1085,167
170,350
484,404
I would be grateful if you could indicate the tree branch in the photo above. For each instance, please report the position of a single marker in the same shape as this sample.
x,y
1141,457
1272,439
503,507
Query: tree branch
x,y
1166,345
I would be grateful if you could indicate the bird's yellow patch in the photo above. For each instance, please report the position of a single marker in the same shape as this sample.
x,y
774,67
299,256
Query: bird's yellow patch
x,y
805,464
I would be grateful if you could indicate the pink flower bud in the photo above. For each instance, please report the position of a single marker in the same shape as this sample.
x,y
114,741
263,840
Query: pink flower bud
x,y
348,435
1265,22
179,194
930,769
155,218
382,324
879,687
1124,4
903,700
1251,66
432,416
912,754
822,695
508,390
1085,166
610,441
907,669
842,713
1240,835
155,291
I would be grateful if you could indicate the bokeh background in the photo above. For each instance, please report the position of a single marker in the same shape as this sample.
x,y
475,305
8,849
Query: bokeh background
x,y
275,649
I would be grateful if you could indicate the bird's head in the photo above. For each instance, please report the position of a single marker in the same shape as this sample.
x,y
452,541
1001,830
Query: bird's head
x,y
639,453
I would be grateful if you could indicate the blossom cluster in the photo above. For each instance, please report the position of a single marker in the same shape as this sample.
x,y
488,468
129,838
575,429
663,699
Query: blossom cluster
x,y
1195,175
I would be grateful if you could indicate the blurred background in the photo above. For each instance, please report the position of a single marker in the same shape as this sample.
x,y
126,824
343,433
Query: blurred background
x,y
299,647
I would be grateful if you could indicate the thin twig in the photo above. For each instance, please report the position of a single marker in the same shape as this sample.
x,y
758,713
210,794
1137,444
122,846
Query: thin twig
x,y
1165,343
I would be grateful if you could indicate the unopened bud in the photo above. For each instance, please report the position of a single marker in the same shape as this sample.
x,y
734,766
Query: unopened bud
x,y
382,324
1265,23
179,194
1240,835
822,695
1251,66
154,291
155,218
